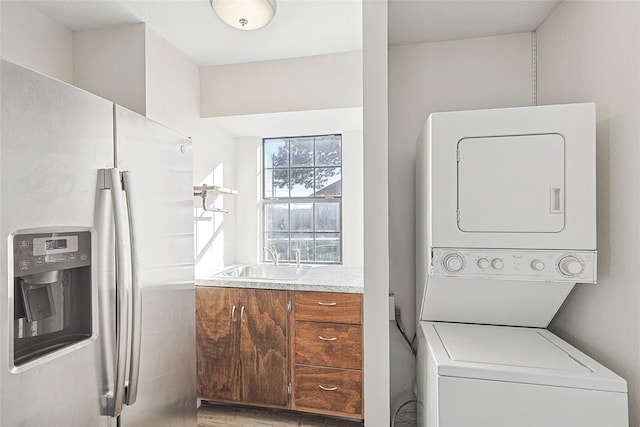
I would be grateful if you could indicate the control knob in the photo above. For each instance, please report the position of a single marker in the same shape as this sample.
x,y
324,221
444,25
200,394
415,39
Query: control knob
x,y
483,263
537,265
497,263
453,263
570,265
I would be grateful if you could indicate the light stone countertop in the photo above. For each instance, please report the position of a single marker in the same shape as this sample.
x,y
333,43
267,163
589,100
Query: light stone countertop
x,y
325,278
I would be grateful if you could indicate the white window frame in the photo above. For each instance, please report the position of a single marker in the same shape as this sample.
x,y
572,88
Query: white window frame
x,y
265,200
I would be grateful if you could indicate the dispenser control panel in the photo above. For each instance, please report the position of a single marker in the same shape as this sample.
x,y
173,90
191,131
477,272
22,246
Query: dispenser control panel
x,y
42,252
55,245
514,264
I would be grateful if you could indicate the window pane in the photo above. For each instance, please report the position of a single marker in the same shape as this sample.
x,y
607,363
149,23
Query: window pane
x,y
328,182
327,247
276,217
301,152
328,150
276,153
302,182
304,242
276,183
302,217
281,243
301,172
327,217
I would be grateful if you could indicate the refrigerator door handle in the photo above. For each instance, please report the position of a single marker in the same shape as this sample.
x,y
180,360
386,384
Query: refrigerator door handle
x,y
136,294
123,291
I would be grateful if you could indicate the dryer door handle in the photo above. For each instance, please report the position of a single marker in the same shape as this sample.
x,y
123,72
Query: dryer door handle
x,y
556,200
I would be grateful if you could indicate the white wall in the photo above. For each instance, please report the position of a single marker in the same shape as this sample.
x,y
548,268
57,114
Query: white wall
x,y
299,84
248,182
30,39
110,63
590,51
248,178
352,199
376,209
425,78
214,163
295,98
172,86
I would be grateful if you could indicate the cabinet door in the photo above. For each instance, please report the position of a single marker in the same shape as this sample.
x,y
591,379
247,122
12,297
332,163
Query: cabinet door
x,y
263,347
216,337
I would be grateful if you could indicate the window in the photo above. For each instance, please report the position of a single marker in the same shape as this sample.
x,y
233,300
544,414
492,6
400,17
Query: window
x,y
302,198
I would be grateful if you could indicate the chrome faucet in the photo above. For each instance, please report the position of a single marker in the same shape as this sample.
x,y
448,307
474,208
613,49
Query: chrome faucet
x,y
298,257
274,254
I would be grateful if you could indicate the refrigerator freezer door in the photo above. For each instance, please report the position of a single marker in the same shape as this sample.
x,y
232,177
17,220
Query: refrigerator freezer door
x,y
158,164
54,140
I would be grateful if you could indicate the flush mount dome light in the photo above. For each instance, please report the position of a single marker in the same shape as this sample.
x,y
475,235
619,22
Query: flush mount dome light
x,y
245,14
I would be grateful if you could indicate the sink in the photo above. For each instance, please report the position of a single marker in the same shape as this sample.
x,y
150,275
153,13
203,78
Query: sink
x,y
265,271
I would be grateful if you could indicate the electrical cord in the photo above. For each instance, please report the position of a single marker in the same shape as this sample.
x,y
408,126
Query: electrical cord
x,y
411,344
400,326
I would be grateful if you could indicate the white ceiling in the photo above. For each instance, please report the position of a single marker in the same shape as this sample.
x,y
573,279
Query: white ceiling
x,y
300,27
420,21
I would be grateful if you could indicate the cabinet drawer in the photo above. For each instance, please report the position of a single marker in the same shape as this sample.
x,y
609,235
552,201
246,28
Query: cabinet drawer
x,y
328,307
328,344
328,389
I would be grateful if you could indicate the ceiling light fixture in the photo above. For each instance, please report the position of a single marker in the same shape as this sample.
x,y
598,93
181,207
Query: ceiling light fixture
x,y
245,14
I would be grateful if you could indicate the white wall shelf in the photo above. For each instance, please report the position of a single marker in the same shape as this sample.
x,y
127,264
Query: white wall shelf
x,y
212,190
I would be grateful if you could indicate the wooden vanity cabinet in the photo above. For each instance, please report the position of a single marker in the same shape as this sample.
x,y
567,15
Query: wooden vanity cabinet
x,y
241,337
245,337
327,353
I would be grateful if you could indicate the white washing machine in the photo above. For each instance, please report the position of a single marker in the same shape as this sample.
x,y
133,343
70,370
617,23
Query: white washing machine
x,y
499,376
506,226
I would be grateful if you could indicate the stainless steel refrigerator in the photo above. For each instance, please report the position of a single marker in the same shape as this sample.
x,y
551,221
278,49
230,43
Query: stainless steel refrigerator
x,y
97,311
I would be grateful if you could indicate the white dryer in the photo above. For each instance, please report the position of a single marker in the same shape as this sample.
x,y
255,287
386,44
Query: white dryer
x,y
506,226
506,197
499,376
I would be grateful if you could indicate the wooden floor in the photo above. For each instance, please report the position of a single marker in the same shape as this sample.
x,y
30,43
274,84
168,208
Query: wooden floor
x,y
210,415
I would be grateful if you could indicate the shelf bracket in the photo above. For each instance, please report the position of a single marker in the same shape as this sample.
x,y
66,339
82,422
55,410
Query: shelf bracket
x,y
204,190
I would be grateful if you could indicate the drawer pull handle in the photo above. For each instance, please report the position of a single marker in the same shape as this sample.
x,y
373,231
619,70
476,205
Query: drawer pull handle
x,y
327,339
326,303
328,388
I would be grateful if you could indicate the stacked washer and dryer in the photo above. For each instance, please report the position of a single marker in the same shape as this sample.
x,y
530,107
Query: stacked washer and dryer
x,y
506,226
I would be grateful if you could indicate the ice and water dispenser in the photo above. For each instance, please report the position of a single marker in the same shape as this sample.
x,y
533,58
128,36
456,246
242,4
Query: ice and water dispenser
x,y
52,292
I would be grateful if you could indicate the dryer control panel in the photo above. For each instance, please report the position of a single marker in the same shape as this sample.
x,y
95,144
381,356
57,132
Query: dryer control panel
x,y
514,264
